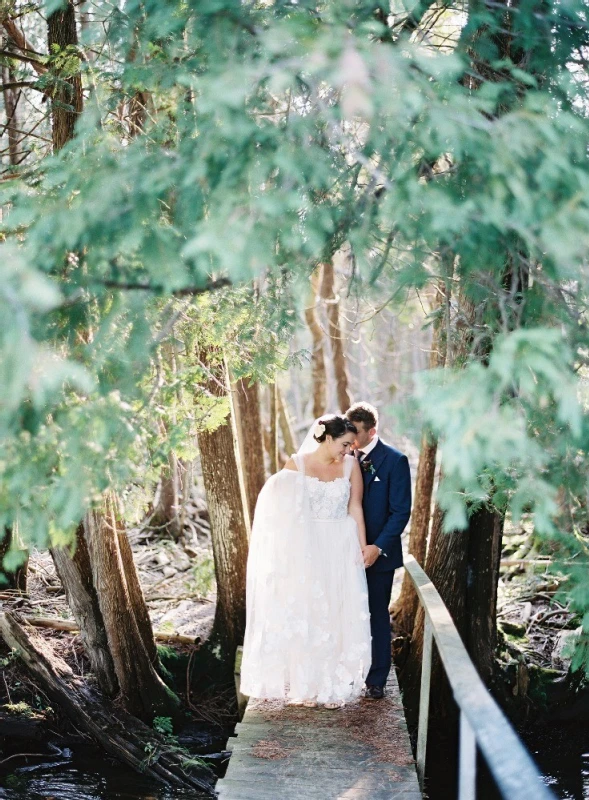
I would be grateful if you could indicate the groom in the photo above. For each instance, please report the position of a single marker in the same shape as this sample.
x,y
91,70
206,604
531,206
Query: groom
x,y
387,507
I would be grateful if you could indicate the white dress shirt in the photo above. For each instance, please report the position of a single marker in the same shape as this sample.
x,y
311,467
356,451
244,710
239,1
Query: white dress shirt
x,y
369,448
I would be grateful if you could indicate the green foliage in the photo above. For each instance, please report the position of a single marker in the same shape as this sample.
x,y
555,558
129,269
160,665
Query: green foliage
x,y
163,725
202,576
498,424
274,132
19,709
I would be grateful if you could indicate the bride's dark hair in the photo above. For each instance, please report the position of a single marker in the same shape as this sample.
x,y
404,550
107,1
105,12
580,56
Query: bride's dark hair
x,y
336,425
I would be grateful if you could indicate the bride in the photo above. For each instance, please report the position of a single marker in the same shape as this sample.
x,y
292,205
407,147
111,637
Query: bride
x,y
307,637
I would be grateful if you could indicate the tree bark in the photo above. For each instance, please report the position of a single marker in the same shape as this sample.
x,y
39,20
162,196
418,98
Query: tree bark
x,y
20,42
120,734
318,375
446,566
335,335
143,692
288,435
66,96
11,98
453,563
406,606
16,580
273,442
75,573
482,577
251,439
101,579
169,506
229,522
137,605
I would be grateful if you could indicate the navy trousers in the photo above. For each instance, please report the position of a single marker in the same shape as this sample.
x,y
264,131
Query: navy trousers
x,y
380,585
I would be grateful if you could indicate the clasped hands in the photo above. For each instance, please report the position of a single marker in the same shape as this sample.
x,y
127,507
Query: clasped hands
x,y
370,554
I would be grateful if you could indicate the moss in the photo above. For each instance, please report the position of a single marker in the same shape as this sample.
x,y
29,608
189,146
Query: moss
x,y
19,709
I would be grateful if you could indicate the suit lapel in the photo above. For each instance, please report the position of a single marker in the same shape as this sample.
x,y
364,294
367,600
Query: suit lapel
x,y
377,457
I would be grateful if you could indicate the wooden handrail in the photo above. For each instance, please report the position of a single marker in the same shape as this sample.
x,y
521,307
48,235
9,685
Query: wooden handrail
x,y
482,722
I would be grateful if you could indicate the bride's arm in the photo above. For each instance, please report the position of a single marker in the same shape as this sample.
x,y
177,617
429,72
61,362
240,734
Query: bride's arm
x,y
355,504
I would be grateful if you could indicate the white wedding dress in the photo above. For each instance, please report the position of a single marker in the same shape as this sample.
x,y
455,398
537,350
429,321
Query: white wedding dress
x,y
308,625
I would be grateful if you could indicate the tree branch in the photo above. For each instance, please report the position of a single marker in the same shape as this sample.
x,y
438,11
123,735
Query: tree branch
x,y
220,283
20,85
19,57
20,41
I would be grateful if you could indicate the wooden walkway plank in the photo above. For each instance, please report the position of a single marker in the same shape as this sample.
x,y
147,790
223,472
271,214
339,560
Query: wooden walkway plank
x,y
359,752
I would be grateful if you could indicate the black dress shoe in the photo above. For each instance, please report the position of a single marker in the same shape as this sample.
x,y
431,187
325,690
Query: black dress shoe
x,y
375,692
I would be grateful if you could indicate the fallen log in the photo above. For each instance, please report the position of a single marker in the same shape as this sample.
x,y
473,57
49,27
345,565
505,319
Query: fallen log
x,y
69,625
119,733
19,727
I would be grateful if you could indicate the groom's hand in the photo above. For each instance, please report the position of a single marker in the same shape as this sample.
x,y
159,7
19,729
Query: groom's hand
x,y
370,553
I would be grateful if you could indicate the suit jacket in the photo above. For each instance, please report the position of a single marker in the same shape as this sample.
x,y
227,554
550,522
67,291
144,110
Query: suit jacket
x,y
387,504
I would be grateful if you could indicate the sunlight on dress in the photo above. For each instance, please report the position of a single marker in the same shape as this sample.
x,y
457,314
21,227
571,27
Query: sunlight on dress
x,y
308,625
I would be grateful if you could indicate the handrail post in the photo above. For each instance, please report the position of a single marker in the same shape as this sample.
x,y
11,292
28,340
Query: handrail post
x,y
467,760
426,671
486,729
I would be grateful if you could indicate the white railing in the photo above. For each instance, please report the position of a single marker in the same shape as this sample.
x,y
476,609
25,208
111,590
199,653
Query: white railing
x,y
482,723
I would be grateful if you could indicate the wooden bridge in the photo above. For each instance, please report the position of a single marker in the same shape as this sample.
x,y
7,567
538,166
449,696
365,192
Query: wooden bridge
x,y
359,751
362,751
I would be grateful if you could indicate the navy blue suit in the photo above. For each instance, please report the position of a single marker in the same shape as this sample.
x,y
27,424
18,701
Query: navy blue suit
x,y
387,507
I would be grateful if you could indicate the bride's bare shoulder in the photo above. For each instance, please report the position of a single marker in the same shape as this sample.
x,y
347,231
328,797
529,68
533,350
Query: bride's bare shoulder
x,y
291,464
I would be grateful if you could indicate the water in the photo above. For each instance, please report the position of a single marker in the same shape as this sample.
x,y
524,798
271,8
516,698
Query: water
x,y
561,752
81,774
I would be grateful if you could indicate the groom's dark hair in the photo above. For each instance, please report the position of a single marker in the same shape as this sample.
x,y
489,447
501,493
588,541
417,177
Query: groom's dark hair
x,y
364,413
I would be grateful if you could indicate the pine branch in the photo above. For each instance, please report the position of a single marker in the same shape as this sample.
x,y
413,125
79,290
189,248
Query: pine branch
x,y
19,40
186,291
20,57
20,85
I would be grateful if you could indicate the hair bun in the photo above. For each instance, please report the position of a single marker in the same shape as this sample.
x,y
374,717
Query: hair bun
x,y
334,425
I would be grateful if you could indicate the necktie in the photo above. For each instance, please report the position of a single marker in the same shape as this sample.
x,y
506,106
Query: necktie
x,y
360,454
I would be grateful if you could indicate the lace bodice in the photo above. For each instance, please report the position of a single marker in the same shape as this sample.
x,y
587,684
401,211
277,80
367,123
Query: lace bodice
x,y
328,499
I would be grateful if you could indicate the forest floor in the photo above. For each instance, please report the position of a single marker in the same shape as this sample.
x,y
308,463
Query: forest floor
x,y
536,629
178,583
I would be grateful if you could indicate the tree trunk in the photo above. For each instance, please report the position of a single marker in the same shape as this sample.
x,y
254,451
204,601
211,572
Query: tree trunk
x,y
66,96
318,375
11,98
273,442
335,335
482,577
408,603
120,734
464,568
446,566
137,604
288,435
168,504
229,524
251,439
101,579
15,579
129,634
75,573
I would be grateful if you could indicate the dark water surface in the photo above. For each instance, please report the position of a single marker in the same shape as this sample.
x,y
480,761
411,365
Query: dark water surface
x,y
83,773
79,774
561,752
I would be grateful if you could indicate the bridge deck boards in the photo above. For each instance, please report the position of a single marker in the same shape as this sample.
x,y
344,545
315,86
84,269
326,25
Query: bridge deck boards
x,y
360,752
